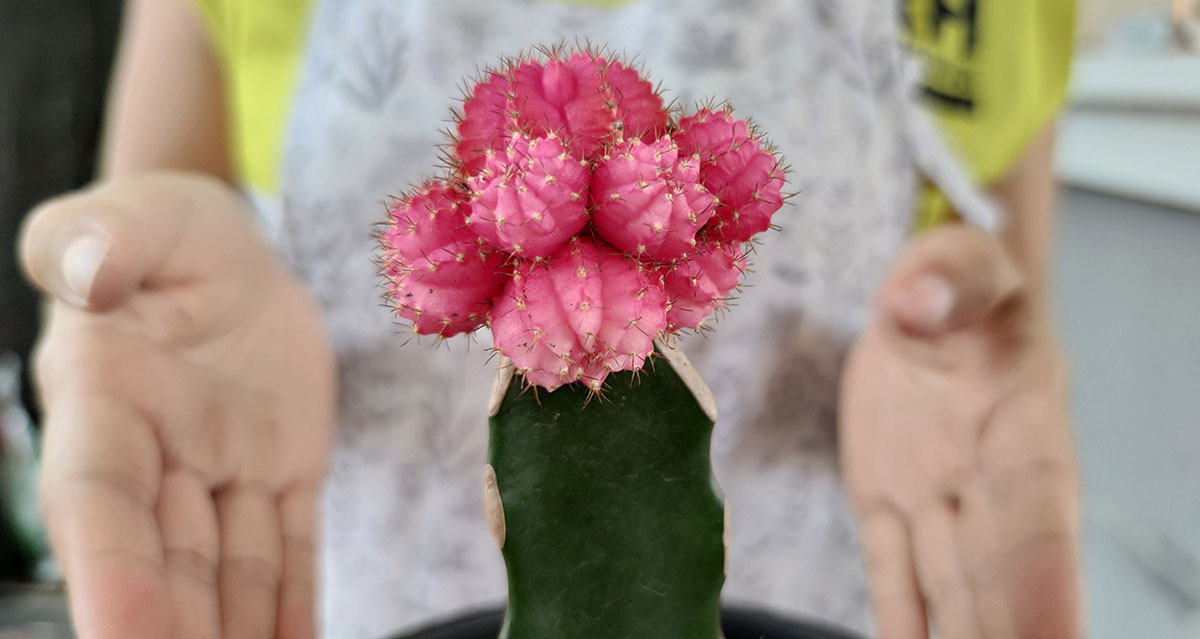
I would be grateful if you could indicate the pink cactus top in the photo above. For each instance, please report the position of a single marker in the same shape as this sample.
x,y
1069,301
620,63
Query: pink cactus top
x,y
404,538
583,219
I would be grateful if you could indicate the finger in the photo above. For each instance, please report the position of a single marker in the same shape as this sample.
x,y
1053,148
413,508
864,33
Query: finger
x,y
297,591
251,552
1035,566
91,249
1042,584
979,551
895,597
1032,496
188,522
98,488
1024,577
943,580
947,279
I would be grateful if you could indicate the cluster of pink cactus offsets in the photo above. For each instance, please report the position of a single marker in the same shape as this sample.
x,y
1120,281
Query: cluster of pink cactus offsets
x,y
580,220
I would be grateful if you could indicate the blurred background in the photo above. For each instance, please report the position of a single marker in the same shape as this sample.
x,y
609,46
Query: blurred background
x,y
1128,291
1127,282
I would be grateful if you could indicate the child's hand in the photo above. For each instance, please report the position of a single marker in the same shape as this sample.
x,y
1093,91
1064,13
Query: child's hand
x,y
958,453
188,389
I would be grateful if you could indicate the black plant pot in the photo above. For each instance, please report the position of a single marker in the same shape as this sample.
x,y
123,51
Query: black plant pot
x,y
737,622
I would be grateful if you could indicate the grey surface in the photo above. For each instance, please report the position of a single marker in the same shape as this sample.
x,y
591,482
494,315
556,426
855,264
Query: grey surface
x,y
1128,291
33,612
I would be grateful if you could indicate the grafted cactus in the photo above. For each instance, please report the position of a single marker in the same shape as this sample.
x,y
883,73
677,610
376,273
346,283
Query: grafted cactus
x,y
585,224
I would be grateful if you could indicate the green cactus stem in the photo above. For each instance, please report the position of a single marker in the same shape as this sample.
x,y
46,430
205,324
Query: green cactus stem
x,y
606,511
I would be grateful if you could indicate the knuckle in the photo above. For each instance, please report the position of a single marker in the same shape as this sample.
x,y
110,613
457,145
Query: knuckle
x,y
31,232
48,501
949,479
1060,373
44,364
1040,478
182,320
62,355
945,589
192,563
865,494
61,490
253,572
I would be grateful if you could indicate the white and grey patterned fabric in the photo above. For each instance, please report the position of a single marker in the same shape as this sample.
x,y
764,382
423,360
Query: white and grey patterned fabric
x,y
404,536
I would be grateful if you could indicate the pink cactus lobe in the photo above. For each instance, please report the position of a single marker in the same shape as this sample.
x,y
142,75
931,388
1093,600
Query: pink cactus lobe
x,y
585,312
484,123
438,275
639,107
698,285
648,200
529,201
746,177
585,99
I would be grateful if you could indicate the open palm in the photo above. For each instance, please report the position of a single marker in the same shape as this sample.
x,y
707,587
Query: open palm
x,y
188,392
958,453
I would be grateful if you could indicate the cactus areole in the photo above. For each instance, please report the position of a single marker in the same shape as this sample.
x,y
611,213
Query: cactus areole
x,y
585,223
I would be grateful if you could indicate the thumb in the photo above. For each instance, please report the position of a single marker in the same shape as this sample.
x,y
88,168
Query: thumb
x,y
93,248
947,279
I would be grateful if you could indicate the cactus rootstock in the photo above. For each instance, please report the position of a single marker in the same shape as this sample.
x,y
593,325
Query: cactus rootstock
x,y
608,515
579,219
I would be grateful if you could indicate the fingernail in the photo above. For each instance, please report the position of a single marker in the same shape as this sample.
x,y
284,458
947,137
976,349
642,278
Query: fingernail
x,y
930,300
80,262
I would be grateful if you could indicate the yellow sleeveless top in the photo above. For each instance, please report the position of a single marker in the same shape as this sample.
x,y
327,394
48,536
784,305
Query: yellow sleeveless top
x,y
995,71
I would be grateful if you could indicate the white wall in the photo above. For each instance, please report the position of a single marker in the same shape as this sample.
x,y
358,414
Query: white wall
x,y
1095,15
